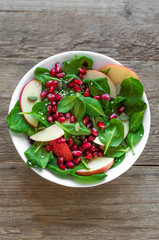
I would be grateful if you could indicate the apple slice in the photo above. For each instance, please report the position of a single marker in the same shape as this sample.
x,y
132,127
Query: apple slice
x,y
61,150
118,73
94,74
97,165
32,88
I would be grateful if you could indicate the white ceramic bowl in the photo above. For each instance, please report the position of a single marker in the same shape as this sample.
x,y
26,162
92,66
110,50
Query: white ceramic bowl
x,y
21,143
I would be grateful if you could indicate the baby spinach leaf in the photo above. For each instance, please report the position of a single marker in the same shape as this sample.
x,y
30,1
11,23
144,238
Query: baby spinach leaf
x,y
79,109
140,106
38,158
70,77
113,134
16,121
66,104
93,107
106,71
73,66
117,151
39,112
98,86
118,161
136,121
115,102
134,138
92,178
43,75
132,89
30,131
70,128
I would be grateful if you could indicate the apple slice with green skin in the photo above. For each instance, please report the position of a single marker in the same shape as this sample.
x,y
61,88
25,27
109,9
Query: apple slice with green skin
x,y
31,89
118,73
50,133
97,165
61,150
94,74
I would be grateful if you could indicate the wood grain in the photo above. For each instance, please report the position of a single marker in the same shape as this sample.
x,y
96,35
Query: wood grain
x,y
33,208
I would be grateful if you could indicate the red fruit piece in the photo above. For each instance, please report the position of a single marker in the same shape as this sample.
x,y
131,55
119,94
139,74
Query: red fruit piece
x,y
105,96
76,88
86,94
53,72
55,83
86,145
77,160
51,97
77,81
95,154
61,150
58,67
80,149
94,132
114,115
97,97
88,156
74,147
49,109
61,140
48,84
70,165
100,124
51,89
77,153
61,119
121,109
85,120
72,119
91,138
82,71
48,148
44,93
60,160
60,75
67,115
57,95
62,167
50,119
92,149
70,142
80,76
100,154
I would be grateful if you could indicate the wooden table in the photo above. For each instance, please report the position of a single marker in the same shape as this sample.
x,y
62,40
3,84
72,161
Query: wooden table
x,y
33,208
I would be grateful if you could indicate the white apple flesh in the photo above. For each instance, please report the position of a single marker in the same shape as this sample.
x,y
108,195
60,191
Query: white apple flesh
x,y
94,74
97,165
32,88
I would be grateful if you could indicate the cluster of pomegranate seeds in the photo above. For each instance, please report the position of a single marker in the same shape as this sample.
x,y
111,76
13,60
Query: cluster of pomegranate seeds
x,y
75,85
57,71
104,96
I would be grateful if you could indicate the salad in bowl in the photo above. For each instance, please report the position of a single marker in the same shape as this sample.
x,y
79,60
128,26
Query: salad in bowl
x,y
74,119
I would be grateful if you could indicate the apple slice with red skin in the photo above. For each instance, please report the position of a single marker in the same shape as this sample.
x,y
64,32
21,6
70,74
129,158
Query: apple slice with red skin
x,y
118,73
61,150
32,88
94,74
97,165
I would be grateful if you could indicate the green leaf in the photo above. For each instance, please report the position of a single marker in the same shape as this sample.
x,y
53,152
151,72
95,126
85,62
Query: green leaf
x,y
43,75
117,151
140,106
39,112
76,63
92,178
38,158
30,131
118,161
132,89
79,109
115,102
70,128
66,104
70,77
133,138
98,86
85,163
93,107
16,121
113,134
136,121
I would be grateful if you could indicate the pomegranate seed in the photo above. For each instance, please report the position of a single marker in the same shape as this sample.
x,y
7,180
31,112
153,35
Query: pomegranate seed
x,y
97,150
83,87
76,88
55,83
74,147
44,93
61,97
70,142
71,85
51,97
51,89
61,140
94,132
53,103
100,124
82,71
61,114
114,115
105,96
53,72
72,119
60,75
87,89
60,160
87,151
77,81
86,145
88,125
57,95
80,149
62,167
121,109
77,160
56,115
70,164
88,156
67,115
85,120
86,94
48,84
49,109
57,103
48,148
76,153
50,118
95,154
58,67
100,154
80,76
92,148
54,109
85,140
91,138
61,119
97,97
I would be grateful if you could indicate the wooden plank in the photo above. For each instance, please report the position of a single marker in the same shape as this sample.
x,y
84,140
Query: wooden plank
x,y
37,209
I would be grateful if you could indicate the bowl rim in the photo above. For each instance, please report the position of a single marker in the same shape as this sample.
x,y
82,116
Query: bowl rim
x,y
79,184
